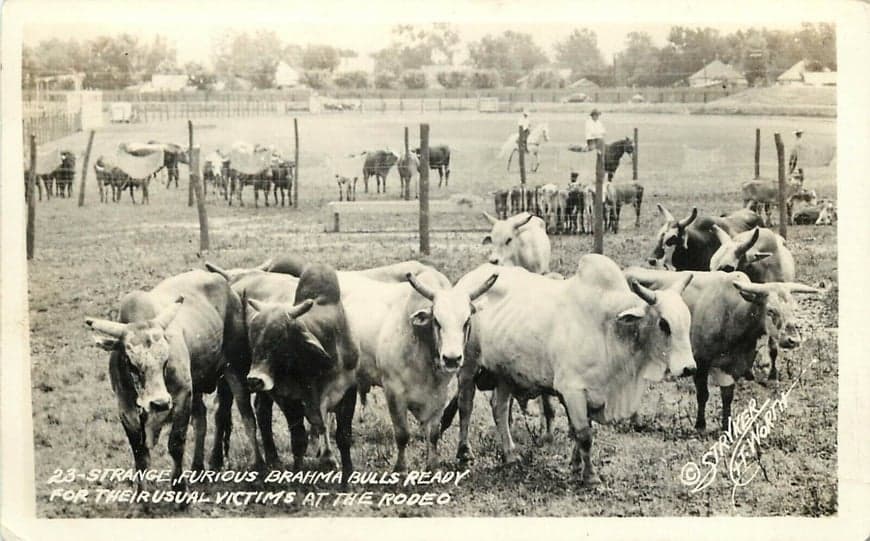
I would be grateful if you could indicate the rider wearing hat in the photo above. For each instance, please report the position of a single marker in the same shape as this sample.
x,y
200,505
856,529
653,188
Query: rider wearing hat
x,y
525,125
594,130
795,154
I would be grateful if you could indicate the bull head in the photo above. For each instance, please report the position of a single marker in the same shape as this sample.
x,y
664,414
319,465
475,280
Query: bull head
x,y
448,319
780,308
732,254
146,349
502,235
671,234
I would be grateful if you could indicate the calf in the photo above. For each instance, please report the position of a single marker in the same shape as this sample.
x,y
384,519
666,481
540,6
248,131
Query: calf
x,y
170,346
346,188
283,172
762,195
549,205
729,315
617,194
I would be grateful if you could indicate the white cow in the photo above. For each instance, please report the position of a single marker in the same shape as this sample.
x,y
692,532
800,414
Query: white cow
x,y
521,241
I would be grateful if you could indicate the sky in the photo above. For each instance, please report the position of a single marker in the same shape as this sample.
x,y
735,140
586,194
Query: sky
x,y
341,24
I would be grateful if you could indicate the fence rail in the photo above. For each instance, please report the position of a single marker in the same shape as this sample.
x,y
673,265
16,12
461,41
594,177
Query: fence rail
x,y
48,127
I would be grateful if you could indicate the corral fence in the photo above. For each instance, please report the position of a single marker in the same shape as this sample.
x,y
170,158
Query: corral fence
x,y
150,106
52,115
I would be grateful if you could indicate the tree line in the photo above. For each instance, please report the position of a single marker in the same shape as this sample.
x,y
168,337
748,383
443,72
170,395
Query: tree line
x,y
510,58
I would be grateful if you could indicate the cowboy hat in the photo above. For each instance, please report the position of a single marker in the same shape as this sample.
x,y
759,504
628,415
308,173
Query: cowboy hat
x,y
595,112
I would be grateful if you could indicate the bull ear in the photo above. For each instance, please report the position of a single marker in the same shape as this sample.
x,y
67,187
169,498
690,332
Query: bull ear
x,y
487,240
751,292
631,315
490,218
421,318
312,346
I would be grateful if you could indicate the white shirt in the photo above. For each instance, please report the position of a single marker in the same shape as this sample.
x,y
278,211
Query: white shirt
x,y
594,129
523,122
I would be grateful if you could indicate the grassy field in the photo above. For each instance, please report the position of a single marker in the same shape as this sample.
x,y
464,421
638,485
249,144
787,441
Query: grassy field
x,y
86,259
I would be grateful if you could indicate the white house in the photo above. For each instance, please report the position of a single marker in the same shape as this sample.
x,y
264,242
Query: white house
x,y
286,76
717,73
798,75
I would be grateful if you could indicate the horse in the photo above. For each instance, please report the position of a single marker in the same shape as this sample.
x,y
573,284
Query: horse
x,y
613,153
537,136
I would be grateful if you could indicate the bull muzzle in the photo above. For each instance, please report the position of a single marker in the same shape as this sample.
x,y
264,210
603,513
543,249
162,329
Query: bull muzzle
x,y
160,404
790,342
494,260
451,363
259,383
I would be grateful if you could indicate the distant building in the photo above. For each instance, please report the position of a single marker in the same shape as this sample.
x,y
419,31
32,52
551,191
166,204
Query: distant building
x,y
583,83
717,73
798,75
562,72
286,76
820,78
61,81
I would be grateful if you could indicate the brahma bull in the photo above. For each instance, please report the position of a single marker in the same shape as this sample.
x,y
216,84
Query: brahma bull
x,y
729,315
692,241
617,194
762,195
250,165
407,166
439,158
378,164
170,346
520,240
597,341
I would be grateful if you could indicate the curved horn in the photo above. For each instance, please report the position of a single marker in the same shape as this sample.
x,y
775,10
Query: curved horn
x,y
165,317
648,295
421,289
665,213
484,287
214,268
745,246
300,309
686,221
255,304
518,225
724,238
681,286
796,287
112,328
489,217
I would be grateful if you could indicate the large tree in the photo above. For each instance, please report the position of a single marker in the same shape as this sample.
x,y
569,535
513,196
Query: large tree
x,y
512,55
320,57
638,63
413,47
580,52
250,56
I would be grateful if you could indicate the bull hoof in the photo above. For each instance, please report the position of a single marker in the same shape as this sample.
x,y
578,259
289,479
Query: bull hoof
x,y
298,463
547,439
773,375
512,457
327,463
590,480
400,467
464,454
197,466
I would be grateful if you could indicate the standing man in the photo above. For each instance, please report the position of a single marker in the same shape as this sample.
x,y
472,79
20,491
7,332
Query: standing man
x,y
525,125
594,130
796,149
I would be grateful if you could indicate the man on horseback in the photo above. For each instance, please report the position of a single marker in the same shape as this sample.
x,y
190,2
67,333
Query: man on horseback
x,y
525,126
595,130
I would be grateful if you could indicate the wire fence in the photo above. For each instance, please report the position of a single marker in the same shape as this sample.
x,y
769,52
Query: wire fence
x,y
49,126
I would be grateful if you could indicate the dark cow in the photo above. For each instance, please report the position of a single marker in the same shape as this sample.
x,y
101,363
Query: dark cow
x,y
64,175
575,208
439,158
378,164
500,198
172,155
114,177
283,173
170,346
617,194
304,358
729,315
693,241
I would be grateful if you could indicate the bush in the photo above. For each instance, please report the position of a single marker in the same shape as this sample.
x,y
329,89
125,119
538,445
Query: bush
x,y
414,79
316,79
451,78
352,79
385,80
546,78
484,79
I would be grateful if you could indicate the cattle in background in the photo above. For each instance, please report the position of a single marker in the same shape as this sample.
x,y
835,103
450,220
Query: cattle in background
x,y
378,164
346,188
521,241
214,168
250,165
283,173
407,166
824,213
548,201
762,195
589,200
172,155
303,358
110,172
575,208
617,194
439,158
597,343
692,241
171,345
501,204
729,315
65,173
516,200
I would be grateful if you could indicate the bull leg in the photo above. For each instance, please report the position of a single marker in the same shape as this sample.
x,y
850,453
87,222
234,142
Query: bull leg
x,y
145,198
366,183
773,350
178,435
433,434
399,415
344,432
243,401
702,393
500,402
637,213
263,406
200,424
581,431
141,454
223,419
295,415
618,213
547,416
440,177
132,197
727,398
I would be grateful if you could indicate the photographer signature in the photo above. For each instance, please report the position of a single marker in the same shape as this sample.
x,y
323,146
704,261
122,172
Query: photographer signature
x,y
738,444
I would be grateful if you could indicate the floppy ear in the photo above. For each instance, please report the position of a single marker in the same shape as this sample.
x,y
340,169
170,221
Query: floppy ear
x,y
631,315
757,256
487,240
106,342
312,346
421,318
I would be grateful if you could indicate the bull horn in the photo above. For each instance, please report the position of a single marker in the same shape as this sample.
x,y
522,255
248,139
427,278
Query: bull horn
x,y
214,268
745,246
691,218
165,317
724,238
666,213
255,304
681,286
484,287
648,295
518,225
796,287
112,328
300,309
421,288
264,266
489,218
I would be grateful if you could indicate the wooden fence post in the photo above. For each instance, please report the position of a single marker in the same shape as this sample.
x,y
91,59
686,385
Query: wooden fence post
x,y
780,158
598,245
85,171
189,161
634,158
296,163
195,181
757,153
406,195
424,189
31,202
521,153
